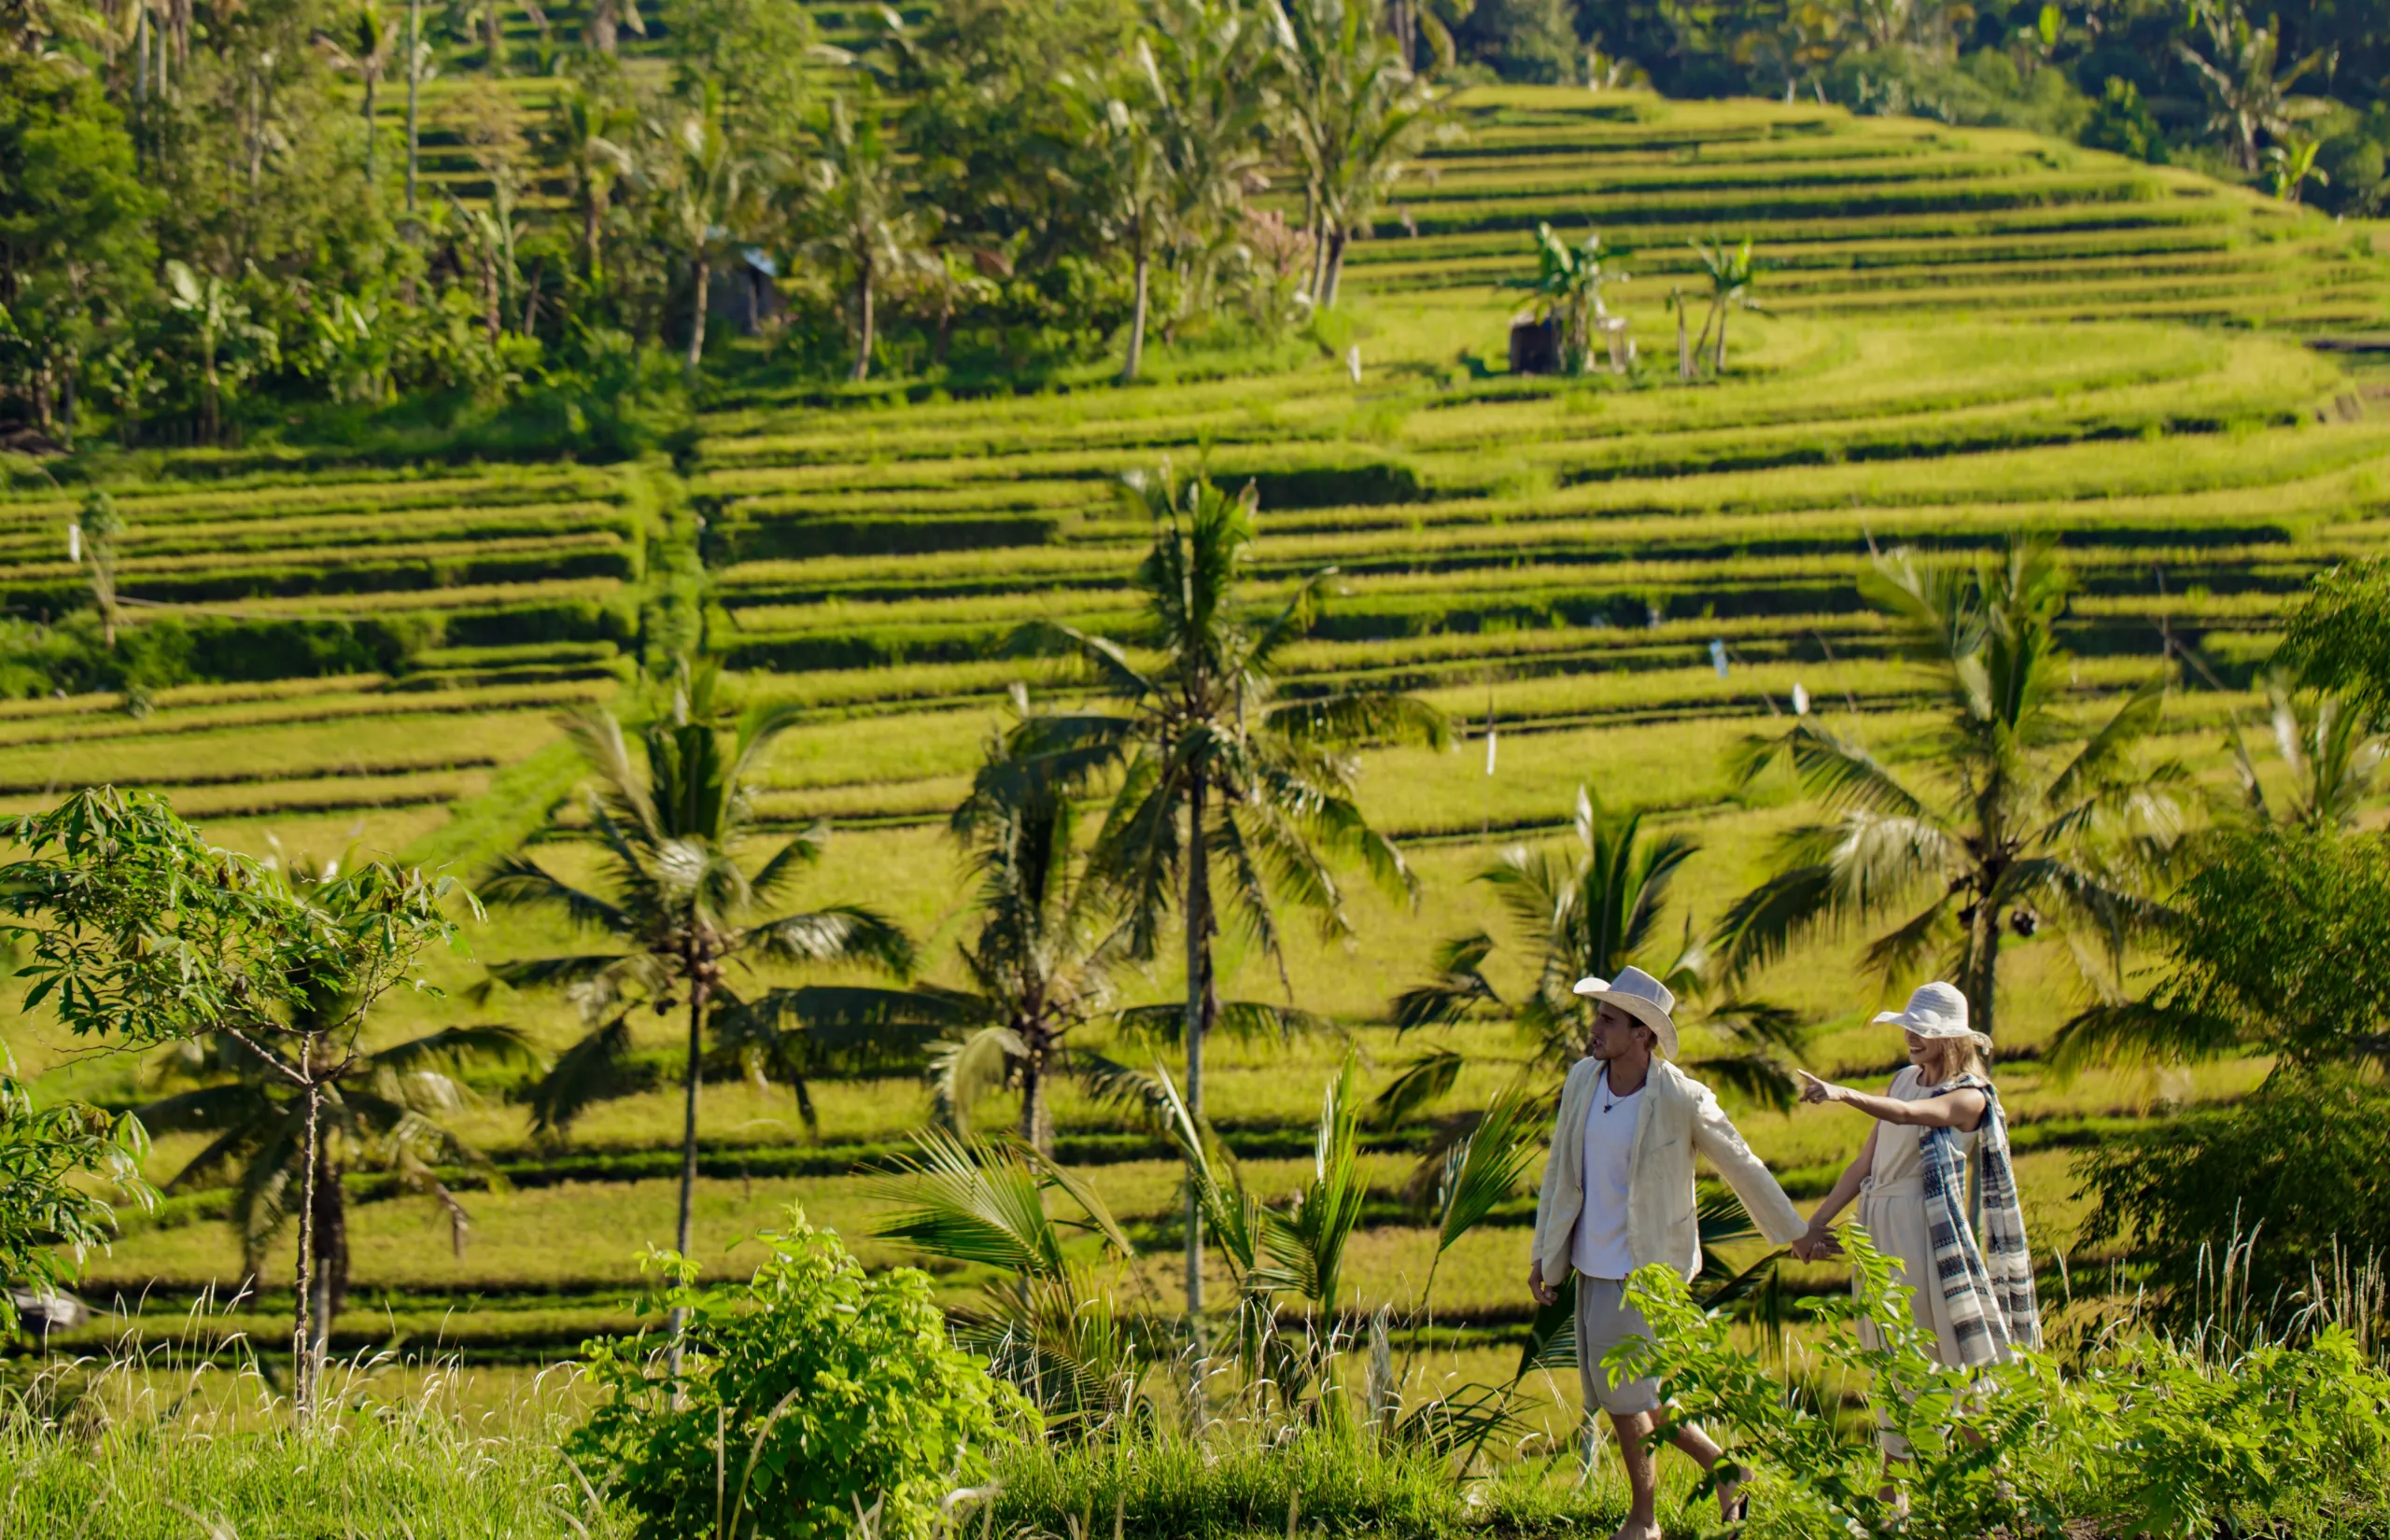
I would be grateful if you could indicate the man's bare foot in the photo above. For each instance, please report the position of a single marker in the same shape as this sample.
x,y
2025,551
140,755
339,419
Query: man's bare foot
x,y
1648,1529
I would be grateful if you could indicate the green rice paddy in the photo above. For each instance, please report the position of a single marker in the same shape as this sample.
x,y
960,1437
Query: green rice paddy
x,y
1968,334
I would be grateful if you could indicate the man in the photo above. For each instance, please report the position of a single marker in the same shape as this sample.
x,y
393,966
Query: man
x,y
1618,1195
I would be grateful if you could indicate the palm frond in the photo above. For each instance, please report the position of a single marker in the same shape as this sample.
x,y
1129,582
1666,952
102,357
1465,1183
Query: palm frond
x,y
1105,660
802,852
517,882
846,932
2141,1032
1456,985
962,1069
1427,1078
1360,717
1483,1169
585,1074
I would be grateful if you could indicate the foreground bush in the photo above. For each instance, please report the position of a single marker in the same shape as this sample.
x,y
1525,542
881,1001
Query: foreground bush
x,y
806,1399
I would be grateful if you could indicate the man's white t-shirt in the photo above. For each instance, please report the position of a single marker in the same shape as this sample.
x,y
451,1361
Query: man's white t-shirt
x,y
1601,1250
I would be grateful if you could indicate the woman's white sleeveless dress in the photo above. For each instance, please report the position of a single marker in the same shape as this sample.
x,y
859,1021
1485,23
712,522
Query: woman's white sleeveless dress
x,y
1891,1205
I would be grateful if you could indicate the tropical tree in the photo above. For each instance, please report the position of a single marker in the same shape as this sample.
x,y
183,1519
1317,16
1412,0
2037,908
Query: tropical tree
x,y
2248,94
145,933
1731,274
97,529
1354,110
2332,752
2033,820
364,48
1216,772
865,225
381,1111
1593,908
705,184
1121,170
679,903
2337,636
607,19
586,131
1567,289
420,68
1197,68
230,345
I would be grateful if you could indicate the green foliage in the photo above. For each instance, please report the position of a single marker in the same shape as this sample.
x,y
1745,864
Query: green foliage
x,y
2180,1439
145,933
2122,121
814,1394
2280,944
2338,637
51,1217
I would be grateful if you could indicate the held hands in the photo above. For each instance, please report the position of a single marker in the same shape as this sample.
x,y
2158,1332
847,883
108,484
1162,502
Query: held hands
x,y
1815,1090
1816,1243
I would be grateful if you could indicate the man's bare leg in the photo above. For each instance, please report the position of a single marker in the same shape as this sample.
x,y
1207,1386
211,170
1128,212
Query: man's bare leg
x,y
1643,1478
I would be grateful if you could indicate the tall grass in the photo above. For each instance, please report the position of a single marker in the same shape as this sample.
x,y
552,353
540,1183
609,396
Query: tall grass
x,y
163,1442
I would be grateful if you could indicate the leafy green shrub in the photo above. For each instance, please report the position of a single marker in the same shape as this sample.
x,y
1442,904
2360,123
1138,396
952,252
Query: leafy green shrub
x,y
806,1397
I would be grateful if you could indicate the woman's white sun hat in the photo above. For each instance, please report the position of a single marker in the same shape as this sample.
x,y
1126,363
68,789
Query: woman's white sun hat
x,y
1640,996
1936,1010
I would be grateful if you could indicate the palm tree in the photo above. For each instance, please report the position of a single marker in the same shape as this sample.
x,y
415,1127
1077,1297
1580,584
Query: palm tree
x,y
1731,274
867,228
364,48
2333,752
2037,821
2247,95
1354,110
1594,909
380,1111
1040,966
1177,141
420,69
706,184
682,904
1216,770
585,133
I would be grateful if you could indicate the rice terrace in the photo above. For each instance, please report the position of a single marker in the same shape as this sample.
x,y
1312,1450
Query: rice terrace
x,y
781,769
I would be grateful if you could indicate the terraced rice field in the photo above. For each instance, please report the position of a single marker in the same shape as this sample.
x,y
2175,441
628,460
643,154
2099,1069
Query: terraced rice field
x,y
1553,560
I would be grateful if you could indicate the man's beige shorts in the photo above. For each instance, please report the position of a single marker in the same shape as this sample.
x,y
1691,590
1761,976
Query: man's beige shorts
x,y
1604,1320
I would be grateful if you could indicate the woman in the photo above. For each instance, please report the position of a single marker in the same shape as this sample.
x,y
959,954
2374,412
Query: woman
x,y
1911,1182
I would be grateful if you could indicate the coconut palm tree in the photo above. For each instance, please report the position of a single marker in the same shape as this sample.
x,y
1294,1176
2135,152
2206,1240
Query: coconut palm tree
x,y
1593,908
1040,967
2332,752
364,47
705,183
2248,96
1216,772
1730,273
2033,819
681,905
586,134
1355,111
380,1111
867,229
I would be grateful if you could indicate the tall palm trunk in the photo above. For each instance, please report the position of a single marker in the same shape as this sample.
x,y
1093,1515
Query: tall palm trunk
x,y
1718,359
1036,1104
1979,971
1200,1009
701,273
685,1233
862,320
589,217
414,91
495,34
1137,316
1328,285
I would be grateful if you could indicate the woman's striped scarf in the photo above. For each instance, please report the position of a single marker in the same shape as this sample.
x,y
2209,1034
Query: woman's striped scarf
x,y
1987,1290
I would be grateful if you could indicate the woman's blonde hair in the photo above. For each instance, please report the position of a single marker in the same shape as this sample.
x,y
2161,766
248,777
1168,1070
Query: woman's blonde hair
x,y
1954,1057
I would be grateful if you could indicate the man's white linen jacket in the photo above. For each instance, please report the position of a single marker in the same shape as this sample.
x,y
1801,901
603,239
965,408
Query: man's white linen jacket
x,y
1676,1116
